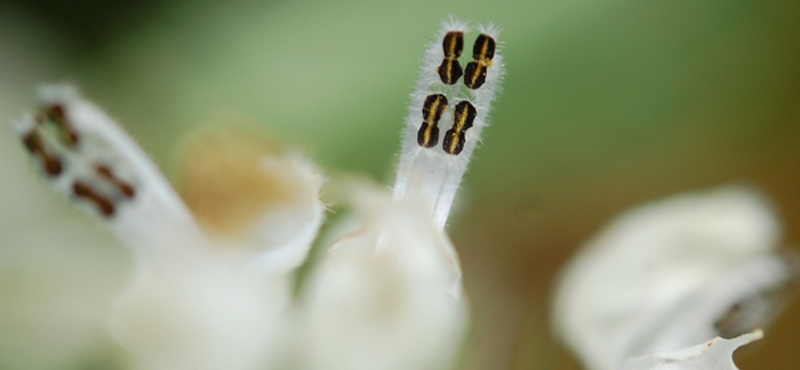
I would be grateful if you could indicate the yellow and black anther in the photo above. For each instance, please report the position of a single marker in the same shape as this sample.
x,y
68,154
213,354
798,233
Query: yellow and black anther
x,y
463,117
482,55
450,70
432,109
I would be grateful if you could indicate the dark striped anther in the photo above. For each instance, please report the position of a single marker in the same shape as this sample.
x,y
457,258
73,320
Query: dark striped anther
x,y
483,49
51,164
123,187
450,70
482,55
463,117
56,114
432,109
86,192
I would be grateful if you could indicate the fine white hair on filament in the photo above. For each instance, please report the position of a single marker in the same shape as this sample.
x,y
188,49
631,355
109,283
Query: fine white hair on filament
x,y
434,157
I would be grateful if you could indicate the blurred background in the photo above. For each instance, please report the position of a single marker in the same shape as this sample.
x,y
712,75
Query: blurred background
x,y
606,104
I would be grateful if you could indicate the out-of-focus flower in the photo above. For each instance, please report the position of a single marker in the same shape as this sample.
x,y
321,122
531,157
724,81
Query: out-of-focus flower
x,y
212,288
660,281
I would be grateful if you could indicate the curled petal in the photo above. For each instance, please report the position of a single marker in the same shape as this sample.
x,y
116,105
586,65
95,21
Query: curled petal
x,y
671,274
252,197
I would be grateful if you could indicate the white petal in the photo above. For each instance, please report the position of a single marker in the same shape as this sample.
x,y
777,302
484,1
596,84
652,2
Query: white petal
x,y
662,276
251,197
204,316
717,354
383,297
286,234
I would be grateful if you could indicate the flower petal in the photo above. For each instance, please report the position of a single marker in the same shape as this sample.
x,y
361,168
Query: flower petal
x,y
208,316
252,197
383,298
670,274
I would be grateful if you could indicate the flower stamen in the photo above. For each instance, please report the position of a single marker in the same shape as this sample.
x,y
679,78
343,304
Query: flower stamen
x,y
433,174
87,158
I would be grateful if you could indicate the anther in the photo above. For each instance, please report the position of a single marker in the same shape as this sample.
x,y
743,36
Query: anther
x,y
463,117
124,188
432,109
482,55
103,204
33,142
450,70
51,164
57,115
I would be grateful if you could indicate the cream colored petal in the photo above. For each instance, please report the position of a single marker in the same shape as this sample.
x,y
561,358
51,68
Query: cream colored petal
x,y
228,308
205,316
382,298
251,197
670,274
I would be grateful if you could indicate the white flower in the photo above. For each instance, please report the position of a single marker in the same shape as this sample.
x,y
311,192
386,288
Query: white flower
x,y
660,281
391,289
212,288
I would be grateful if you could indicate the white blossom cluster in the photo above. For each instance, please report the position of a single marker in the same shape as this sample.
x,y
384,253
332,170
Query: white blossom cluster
x,y
213,283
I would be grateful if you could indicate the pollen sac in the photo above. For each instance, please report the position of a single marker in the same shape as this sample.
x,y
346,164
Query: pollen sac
x,y
55,113
103,190
432,109
463,117
43,150
84,175
482,55
50,163
450,70
86,192
124,188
